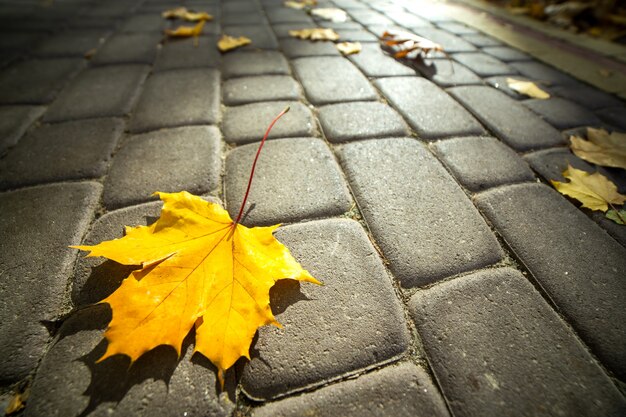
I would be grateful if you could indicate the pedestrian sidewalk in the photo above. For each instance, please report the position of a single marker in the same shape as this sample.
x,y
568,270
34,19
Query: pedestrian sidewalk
x,y
458,282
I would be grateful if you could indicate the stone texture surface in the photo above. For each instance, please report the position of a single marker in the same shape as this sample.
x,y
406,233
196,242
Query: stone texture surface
x,y
482,352
542,72
446,73
71,43
562,114
184,53
332,80
296,48
128,48
295,179
14,120
615,116
509,120
427,231
427,108
575,262
178,98
360,120
36,81
402,390
375,63
38,224
506,54
240,64
262,36
482,162
170,160
116,88
585,96
257,116
484,65
61,152
353,322
245,90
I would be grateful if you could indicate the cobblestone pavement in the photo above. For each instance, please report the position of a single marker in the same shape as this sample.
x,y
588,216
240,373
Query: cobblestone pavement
x,y
458,283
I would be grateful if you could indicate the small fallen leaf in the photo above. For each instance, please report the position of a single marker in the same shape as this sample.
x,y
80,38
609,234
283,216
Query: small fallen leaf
x,y
187,31
300,4
399,44
594,191
528,88
227,43
315,34
618,216
16,403
349,48
183,13
602,148
330,13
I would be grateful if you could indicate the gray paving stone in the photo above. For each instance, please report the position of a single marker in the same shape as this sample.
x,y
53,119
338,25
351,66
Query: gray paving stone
x,y
244,18
369,17
178,98
456,28
240,6
184,53
408,20
145,22
37,226
36,81
499,82
579,266
248,123
107,23
14,120
450,43
332,80
210,28
262,88
128,48
509,120
483,64
427,108
285,15
587,96
403,390
446,73
561,113
348,24
192,163
71,43
283,189
427,231
240,64
116,88
67,151
482,162
543,73
375,63
295,48
506,54
356,35
480,40
616,116
350,4
262,36
70,384
353,322
491,338
359,120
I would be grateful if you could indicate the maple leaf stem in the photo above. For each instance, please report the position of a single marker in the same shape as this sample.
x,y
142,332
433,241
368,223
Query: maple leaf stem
x,y
617,212
258,152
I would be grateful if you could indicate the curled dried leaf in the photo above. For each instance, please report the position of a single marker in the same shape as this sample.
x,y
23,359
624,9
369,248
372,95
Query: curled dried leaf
x,y
594,191
349,48
527,88
399,44
187,31
601,148
315,34
300,4
183,13
227,43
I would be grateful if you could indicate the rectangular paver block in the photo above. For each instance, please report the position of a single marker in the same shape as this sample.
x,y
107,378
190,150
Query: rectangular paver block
x,y
244,63
38,224
14,120
509,120
71,43
402,390
108,91
580,267
483,64
178,98
261,35
427,108
128,48
170,160
184,53
375,63
353,322
446,73
261,88
332,80
422,220
562,113
296,48
497,348
295,179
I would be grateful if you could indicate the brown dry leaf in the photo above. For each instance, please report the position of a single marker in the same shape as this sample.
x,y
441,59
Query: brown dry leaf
x,y
349,48
187,31
399,44
183,13
300,4
602,148
227,43
315,34
17,403
527,88
330,13
595,191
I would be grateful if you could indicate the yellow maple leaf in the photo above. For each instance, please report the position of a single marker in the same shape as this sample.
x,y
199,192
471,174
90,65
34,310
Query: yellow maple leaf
x,y
602,148
300,4
198,268
183,13
187,31
315,34
527,88
226,43
594,191
349,48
